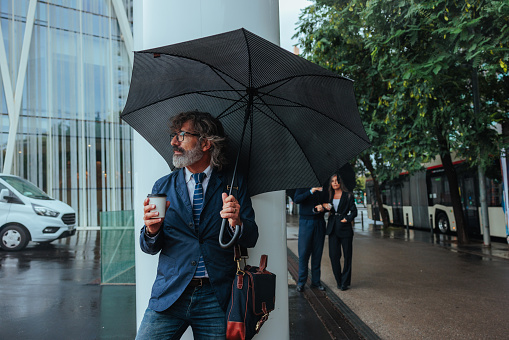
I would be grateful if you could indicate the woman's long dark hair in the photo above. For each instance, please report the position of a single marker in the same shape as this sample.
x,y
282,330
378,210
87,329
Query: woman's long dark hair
x,y
342,185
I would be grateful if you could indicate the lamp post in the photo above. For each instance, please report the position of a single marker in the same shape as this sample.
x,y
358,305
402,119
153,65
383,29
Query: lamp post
x,y
480,170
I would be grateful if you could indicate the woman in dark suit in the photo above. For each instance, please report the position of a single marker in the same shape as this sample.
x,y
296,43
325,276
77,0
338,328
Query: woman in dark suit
x,y
342,211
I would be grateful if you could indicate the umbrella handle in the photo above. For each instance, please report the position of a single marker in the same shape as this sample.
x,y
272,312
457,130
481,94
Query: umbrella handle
x,y
236,234
234,239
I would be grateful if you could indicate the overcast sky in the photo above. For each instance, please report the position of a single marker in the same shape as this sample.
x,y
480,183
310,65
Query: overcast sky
x,y
289,11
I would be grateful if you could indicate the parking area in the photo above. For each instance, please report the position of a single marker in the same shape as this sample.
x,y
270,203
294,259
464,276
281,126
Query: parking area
x,y
53,291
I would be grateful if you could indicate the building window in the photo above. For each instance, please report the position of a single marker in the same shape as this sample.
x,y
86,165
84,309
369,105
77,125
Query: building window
x,y
70,141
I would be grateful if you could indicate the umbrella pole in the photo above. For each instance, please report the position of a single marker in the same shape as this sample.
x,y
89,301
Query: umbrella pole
x,y
236,235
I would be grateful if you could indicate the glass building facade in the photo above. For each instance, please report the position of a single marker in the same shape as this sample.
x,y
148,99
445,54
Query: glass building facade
x,y
75,72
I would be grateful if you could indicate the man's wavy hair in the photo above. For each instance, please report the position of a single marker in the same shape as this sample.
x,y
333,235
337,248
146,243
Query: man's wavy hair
x,y
208,127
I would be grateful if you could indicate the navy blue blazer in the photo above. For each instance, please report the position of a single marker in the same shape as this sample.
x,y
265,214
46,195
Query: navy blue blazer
x,y
180,245
307,203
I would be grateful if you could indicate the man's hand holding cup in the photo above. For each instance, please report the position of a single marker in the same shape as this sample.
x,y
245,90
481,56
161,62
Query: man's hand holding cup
x,y
154,209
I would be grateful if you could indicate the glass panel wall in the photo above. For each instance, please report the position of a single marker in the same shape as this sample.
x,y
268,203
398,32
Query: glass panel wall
x,y
70,141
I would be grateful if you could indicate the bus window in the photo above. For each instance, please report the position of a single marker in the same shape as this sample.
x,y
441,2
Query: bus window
x,y
469,190
440,193
494,193
405,192
386,196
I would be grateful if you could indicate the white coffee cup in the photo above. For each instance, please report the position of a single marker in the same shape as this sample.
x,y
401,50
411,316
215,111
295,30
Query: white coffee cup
x,y
159,200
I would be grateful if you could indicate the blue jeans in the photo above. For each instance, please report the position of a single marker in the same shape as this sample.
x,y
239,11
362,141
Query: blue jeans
x,y
310,244
196,307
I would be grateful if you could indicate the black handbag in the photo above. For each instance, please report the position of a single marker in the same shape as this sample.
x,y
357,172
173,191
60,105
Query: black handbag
x,y
252,299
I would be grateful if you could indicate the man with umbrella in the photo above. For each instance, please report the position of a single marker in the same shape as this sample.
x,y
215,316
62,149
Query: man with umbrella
x,y
194,274
287,113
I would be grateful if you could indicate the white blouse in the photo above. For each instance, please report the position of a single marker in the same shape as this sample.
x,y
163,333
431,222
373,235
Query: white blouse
x,y
335,202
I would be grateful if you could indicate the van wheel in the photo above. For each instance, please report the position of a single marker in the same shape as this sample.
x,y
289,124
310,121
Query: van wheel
x,y
13,237
443,223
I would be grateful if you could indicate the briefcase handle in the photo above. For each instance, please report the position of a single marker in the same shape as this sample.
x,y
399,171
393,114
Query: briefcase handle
x,y
263,262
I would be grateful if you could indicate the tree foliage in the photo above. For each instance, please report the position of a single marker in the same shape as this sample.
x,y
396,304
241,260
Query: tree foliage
x,y
415,66
429,51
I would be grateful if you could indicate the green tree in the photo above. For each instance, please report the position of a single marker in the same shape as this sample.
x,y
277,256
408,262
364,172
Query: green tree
x,y
333,35
431,53
415,64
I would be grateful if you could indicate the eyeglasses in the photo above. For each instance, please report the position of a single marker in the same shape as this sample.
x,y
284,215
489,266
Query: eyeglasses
x,y
181,135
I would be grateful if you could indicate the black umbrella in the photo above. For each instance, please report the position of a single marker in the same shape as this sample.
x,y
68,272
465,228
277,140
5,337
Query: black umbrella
x,y
296,121
347,174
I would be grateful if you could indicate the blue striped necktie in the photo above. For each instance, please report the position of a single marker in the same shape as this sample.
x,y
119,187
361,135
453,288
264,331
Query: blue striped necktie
x,y
201,271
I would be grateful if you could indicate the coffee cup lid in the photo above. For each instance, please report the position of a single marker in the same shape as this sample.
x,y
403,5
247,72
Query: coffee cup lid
x,y
156,195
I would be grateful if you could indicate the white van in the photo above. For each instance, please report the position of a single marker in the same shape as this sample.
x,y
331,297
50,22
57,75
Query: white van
x,y
28,214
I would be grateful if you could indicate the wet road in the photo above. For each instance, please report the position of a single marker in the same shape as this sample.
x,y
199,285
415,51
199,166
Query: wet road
x,y
53,292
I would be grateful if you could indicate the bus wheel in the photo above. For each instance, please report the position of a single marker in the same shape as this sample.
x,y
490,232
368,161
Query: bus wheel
x,y
443,223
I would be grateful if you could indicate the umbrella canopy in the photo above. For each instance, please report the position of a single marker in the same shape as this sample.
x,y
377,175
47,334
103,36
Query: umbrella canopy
x,y
347,174
299,122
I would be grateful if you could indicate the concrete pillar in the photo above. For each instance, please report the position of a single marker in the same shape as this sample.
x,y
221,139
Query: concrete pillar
x,y
164,22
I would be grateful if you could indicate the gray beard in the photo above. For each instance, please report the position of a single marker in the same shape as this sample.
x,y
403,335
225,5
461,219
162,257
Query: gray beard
x,y
188,157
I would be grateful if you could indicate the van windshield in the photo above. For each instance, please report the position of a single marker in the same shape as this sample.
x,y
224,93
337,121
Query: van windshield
x,y
26,188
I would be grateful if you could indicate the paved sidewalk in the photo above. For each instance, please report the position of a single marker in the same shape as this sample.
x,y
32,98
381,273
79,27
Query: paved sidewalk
x,y
410,285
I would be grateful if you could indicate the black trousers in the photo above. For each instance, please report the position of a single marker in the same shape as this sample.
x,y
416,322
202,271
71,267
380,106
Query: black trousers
x,y
336,244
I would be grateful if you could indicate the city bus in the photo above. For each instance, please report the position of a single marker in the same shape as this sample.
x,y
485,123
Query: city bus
x,y
423,201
